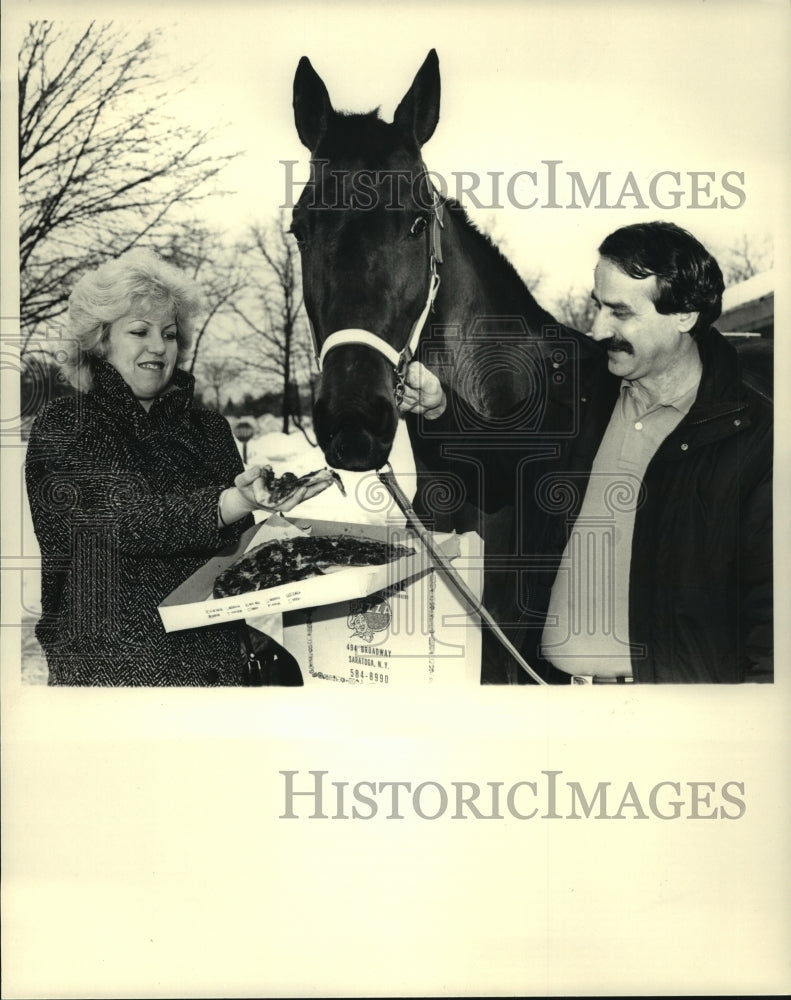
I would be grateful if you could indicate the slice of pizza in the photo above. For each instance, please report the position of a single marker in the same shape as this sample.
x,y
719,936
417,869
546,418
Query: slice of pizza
x,y
287,560
281,488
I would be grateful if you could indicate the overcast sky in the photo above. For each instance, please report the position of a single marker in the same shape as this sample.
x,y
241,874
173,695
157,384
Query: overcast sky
x,y
600,87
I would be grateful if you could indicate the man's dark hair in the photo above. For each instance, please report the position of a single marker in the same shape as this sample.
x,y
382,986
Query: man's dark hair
x,y
688,278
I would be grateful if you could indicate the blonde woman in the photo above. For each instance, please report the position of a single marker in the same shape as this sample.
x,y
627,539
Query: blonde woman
x,y
132,487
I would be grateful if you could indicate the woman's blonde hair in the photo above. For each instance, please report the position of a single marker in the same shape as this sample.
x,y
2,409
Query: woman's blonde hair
x,y
138,280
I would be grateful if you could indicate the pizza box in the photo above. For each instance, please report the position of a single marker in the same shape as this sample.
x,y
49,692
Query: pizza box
x,y
191,604
412,633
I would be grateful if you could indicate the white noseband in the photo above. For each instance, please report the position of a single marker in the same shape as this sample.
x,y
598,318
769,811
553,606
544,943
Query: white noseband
x,y
398,359
352,336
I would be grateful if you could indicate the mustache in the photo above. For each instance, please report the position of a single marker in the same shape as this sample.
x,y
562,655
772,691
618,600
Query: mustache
x,y
616,344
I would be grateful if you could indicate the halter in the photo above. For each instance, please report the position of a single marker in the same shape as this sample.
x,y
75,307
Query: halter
x,y
398,359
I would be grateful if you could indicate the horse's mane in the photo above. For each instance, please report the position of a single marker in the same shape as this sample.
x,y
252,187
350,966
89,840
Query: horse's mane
x,y
483,239
365,117
372,140
481,243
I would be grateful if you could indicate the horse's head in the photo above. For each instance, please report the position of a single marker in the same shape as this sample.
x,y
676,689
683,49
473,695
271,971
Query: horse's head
x,y
367,224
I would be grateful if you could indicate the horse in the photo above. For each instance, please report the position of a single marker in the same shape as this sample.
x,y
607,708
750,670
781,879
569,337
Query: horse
x,y
392,269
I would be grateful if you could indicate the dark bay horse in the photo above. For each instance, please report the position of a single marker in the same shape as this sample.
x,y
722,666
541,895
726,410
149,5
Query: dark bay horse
x,y
376,240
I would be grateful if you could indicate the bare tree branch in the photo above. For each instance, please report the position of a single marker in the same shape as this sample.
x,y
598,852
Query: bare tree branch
x,y
575,308
101,166
219,268
277,334
216,371
746,257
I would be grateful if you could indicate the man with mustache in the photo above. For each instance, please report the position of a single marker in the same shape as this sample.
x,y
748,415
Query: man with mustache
x,y
648,534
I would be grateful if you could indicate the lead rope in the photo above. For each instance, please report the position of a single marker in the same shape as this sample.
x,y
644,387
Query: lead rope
x,y
388,479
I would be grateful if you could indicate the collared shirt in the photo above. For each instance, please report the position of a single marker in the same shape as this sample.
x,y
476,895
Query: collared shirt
x,y
587,626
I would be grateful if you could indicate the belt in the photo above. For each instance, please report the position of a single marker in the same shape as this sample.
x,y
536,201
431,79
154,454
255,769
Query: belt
x,y
597,679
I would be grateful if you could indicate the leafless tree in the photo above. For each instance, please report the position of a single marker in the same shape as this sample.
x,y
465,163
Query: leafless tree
x,y
101,166
277,346
745,257
216,371
533,278
219,268
489,225
575,308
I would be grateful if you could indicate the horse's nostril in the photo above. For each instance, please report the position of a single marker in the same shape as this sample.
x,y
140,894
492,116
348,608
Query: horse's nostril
x,y
353,449
356,450
356,437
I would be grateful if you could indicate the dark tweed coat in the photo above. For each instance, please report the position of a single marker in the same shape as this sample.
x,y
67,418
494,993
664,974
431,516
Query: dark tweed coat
x,y
124,506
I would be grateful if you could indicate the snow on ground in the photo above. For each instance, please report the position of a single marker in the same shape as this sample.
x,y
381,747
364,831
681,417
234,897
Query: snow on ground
x,y
366,502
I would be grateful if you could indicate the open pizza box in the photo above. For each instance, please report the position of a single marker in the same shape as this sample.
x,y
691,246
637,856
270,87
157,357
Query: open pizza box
x,y
394,624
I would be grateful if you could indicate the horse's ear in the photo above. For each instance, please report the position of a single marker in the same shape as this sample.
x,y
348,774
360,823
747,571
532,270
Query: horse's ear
x,y
418,113
312,107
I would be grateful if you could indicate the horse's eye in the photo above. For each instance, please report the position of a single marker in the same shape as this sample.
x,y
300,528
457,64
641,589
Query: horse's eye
x,y
418,226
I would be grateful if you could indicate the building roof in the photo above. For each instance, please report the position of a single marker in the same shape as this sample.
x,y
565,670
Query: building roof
x,y
750,290
748,308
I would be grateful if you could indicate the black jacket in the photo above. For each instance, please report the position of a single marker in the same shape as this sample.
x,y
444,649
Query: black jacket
x,y
124,506
700,592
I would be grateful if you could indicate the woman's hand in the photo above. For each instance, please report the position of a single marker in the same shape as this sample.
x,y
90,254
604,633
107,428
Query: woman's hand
x,y
251,485
249,493
423,392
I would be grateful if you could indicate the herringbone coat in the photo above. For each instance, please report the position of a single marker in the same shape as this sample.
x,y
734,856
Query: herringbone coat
x,y
124,506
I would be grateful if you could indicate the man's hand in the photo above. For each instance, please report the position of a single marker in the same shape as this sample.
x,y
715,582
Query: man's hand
x,y
423,392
